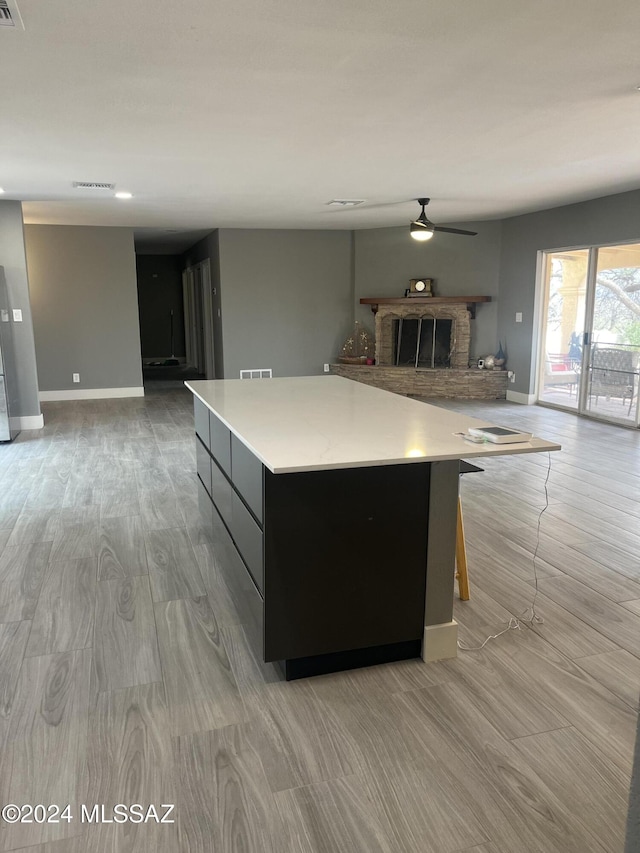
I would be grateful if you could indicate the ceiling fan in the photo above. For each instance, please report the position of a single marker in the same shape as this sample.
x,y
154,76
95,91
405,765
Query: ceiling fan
x,y
422,228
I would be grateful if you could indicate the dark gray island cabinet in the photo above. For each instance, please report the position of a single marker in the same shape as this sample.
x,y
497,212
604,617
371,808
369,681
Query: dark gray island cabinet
x,y
339,548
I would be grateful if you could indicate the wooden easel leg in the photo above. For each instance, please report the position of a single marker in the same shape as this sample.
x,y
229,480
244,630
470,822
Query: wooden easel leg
x,y
461,558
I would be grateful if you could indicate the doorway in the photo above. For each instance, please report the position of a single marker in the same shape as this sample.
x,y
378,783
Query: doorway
x,y
590,343
160,306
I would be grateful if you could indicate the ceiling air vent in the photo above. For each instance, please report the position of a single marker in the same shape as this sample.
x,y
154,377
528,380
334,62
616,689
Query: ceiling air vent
x,y
6,18
346,202
91,185
10,14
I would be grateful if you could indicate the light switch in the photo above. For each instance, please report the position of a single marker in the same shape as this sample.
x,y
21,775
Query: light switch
x,y
17,315
518,316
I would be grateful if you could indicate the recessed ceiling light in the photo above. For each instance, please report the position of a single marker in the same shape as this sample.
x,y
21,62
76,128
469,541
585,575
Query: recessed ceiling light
x,y
346,202
124,195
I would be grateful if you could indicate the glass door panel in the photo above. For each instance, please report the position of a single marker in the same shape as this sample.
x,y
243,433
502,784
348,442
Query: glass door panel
x,y
613,374
564,326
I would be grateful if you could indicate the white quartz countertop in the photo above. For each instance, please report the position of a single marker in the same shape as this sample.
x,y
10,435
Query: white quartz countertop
x,y
315,423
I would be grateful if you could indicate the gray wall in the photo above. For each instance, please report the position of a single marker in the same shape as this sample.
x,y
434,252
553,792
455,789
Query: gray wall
x,y
387,258
208,247
84,303
12,258
160,292
610,219
203,249
286,299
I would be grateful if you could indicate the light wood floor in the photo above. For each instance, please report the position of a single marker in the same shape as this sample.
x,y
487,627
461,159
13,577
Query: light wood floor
x,y
126,675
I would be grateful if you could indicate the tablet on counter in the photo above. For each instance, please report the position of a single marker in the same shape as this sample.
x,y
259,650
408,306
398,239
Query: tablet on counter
x,y
500,435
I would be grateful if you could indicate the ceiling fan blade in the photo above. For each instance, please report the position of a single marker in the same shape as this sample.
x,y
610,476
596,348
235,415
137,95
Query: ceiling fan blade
x,y
367,206
455,231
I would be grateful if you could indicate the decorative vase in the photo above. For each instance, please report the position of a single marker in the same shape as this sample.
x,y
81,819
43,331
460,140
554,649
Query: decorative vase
x,y
489,362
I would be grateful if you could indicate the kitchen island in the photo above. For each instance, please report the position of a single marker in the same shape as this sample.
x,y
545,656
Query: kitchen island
x,y
335,504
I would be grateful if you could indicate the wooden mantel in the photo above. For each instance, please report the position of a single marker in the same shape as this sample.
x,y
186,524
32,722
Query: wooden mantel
x,y
470,301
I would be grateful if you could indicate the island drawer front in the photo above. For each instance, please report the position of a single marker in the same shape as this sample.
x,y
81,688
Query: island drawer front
x,y
248,538
221,493
246,598
201,417
246,475
205,507
203,464
220,443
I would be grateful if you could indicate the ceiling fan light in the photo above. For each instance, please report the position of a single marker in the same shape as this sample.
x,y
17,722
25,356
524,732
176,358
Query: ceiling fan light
x,y
421,232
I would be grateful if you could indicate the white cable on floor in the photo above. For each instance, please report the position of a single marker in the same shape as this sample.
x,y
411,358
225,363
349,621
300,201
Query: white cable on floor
x,y
514,623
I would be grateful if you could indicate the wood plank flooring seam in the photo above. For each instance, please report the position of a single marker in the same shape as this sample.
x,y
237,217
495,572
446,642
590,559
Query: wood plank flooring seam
x,y
5,712
541,732
125,600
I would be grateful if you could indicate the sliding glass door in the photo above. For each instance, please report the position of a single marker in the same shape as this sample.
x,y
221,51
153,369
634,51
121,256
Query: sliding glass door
x,y
564,327
590,358
611,390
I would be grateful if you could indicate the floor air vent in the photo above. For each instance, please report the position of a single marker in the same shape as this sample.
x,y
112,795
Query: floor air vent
x,y
256,373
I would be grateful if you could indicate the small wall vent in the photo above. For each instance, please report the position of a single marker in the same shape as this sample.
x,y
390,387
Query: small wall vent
x,y
256,373
91,185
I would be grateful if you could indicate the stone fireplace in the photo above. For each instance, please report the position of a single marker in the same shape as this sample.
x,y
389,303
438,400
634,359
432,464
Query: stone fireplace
x,y
422,349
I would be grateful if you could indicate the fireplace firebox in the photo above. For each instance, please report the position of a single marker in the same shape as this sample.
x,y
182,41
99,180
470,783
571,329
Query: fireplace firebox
x,y
426,336
423,342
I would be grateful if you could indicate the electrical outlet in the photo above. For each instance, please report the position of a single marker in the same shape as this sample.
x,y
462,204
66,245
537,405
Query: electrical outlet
x,y
518,316
76,377
17,315
511,375
326,368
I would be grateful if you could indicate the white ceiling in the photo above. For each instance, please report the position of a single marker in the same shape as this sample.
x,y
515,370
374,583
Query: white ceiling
x,y
255,113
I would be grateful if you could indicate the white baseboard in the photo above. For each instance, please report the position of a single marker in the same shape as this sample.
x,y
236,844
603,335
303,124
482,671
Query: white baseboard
x,y
27,422
440,641
519,397
91,394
